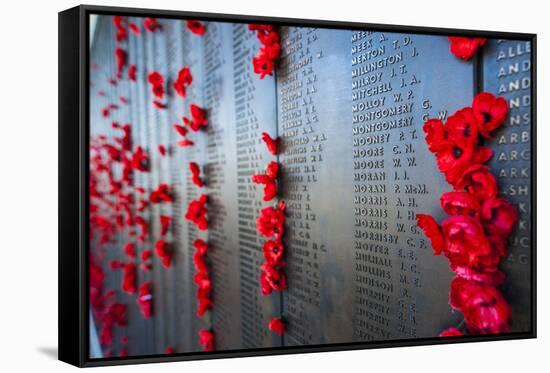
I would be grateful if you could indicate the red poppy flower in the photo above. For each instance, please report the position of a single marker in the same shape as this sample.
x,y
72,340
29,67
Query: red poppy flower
x,y
155,78
499,217
466,244
106,111
157,84
274,277
485,309
461,290
169,350
118,314
181,130
162,150
271,220
142,205
269,180
263,65
464,48
490,112
164,223
273,251
159,105
163,252
206,340
118,21
146,254
106,334
132,71
196,27
195,174
161,194
277,325
129,278
183,81
151,24
271,143
200,263
202,280
121,59
185,142
130,249
123,99
478,181
268,38
121,32
271,51
494,278
196,212
134,28
198,118
460,203
451,332
265,286
140,160
126,140
462,126
200,246
432,230
204,304
145,300
453,158
143,226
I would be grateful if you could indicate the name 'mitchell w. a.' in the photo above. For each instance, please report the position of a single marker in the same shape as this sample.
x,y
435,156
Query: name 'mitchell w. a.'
x,y
247,185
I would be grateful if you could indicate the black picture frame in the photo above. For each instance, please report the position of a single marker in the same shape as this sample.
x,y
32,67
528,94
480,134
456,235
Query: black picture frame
x,y
73,180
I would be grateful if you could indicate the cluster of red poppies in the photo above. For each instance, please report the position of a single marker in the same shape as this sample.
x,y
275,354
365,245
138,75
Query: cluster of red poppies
x,y
474,237
270,224
112,201
197,211
202,278
197,121
198,118
264,62
115,314
161,194
464,48
197,214
116,202
155,78
107,312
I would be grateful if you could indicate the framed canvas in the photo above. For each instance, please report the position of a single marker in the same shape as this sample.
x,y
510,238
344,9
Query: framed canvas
x,y
236,186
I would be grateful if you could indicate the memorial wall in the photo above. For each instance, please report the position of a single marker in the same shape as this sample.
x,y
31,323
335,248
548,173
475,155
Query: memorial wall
x,y
354,173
